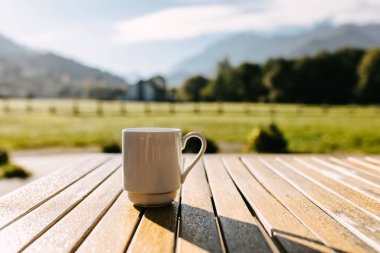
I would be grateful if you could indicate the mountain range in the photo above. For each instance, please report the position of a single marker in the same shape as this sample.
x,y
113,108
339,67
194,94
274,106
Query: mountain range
x,y
251,47
26,73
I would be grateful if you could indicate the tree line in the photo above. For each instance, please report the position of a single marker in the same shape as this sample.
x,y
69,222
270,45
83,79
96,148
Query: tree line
x,y
345,76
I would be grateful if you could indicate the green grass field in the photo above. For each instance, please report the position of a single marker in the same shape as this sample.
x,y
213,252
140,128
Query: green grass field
x,y
54,123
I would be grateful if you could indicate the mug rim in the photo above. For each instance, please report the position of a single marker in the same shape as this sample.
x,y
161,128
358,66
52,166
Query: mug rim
x,y
151,130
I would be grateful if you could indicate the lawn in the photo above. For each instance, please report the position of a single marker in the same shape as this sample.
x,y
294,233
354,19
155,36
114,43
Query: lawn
x,y
30,124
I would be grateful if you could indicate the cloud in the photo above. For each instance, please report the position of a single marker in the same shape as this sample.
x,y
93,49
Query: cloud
x,y
175,23
262,15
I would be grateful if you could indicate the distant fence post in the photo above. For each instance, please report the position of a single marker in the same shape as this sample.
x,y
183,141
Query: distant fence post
x,y
299,108
123,107
247,107
147,107
28,105
220,106
272,109
325,108
52,109
196,107
351,108
75,107
272,112
99,107
172,107
6,105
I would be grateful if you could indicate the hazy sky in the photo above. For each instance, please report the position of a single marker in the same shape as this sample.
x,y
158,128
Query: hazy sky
x,y
147,37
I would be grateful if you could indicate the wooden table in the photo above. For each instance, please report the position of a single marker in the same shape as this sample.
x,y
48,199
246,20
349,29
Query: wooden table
x,y
229,203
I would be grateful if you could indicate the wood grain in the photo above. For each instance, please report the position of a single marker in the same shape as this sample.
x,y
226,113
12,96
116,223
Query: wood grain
x,y
340,175
372,160
350,169
281,224
252,203
156,231
367,228
331,232
328,179
68,232
198,230
240,229
20,233
24,199
347,164
364,164
114,230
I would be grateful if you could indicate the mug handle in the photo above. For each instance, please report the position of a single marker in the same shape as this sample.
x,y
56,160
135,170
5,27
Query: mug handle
x,y
199,155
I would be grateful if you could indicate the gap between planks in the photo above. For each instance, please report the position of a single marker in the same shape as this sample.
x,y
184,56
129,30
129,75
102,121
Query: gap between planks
x,y
281,224
198,230
25,226
240,229
64,235
354,219
11,216
325,227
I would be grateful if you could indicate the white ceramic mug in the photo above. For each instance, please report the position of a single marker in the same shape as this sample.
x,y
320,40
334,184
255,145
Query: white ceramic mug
x,y
153,165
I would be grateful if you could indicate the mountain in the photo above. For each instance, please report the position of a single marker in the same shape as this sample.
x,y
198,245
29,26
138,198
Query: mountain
x,y
25,72
250,47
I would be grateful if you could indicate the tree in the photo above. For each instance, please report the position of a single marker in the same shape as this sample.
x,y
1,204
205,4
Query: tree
x,y
347,78
219,89
326,77
243,83
172,94
191,89
313,77
278,78
249,82
369,77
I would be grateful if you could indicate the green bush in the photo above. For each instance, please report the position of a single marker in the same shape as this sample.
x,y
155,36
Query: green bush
x,y
10,171
267,140
111,148
4,158
193,145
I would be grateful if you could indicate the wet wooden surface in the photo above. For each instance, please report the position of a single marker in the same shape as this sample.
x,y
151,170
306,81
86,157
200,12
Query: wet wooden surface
x,y
229,203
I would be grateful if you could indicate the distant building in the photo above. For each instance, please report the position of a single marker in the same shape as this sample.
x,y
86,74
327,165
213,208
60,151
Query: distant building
x,y
142,91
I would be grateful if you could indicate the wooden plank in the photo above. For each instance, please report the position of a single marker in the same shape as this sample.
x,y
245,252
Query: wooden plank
x,y
22,232
115,230
372,160
21,201
39,165
352,169
340,175
347,164
157,230
67,234
364,164
331,232
357,221
281,224
240,229
198,229
329,179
